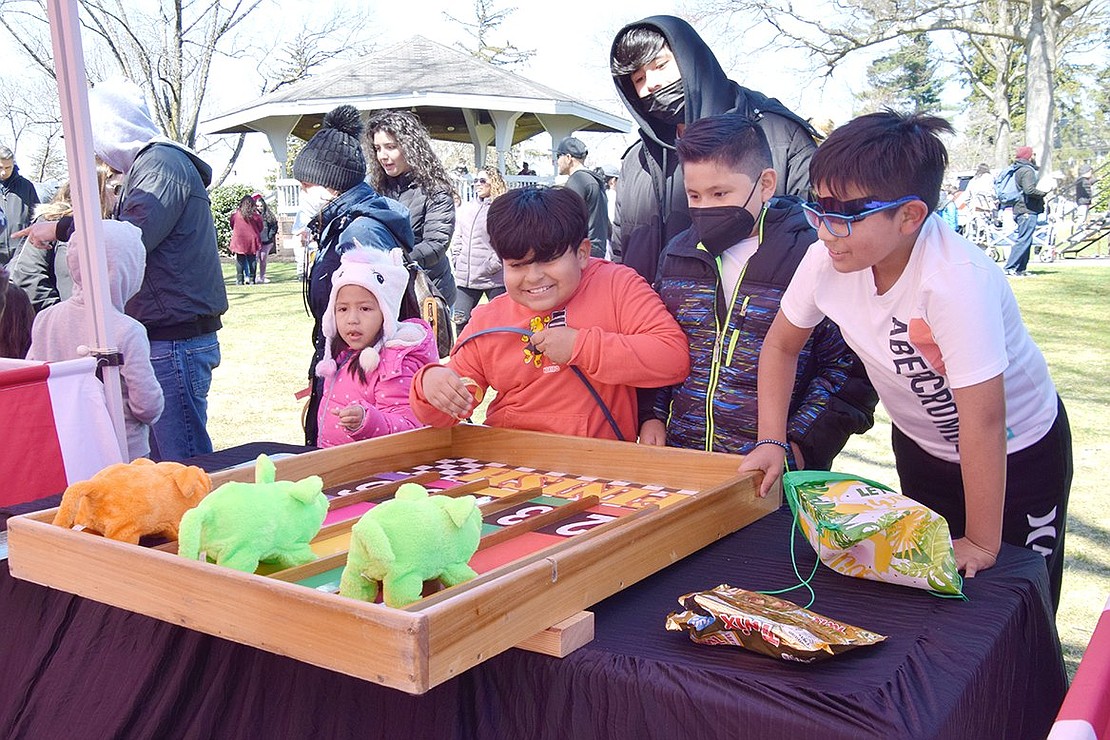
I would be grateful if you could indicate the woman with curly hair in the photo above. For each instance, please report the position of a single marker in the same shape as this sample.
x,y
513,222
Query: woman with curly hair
x,y
268,235
405,168
476,266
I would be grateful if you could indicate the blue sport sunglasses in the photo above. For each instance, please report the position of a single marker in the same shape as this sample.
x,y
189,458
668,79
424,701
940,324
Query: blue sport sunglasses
x,y
840,223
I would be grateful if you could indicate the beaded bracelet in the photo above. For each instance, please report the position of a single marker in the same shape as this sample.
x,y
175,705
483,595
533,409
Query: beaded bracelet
x,y
775,442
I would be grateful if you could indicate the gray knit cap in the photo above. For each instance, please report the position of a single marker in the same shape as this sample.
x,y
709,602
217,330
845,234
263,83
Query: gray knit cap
x,y
333,157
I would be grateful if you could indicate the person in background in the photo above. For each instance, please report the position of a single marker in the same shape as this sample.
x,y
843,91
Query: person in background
x,y
342,212
980,192
590,185
980,435
18,199
949,210
16,318
268,235
1084,194
60,331
527,171
43,273
668,77
612,175
405,168
1029,205
370,354
246,228
475,264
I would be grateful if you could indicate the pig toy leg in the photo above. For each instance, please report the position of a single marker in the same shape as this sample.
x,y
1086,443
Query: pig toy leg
x,y
295,556
456,573
402,589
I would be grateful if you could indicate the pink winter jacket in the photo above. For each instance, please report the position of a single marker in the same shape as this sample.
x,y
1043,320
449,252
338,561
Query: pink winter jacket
x,y
385,395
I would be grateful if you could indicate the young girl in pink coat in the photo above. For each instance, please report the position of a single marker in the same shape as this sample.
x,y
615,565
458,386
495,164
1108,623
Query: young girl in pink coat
x,y
370,356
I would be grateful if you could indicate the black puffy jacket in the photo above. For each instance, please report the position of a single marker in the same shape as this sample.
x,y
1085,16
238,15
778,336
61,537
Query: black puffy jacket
x,y
651,197
432,216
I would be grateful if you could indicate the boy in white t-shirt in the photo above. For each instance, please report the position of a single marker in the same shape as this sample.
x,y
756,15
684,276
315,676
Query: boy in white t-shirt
x,y
980,435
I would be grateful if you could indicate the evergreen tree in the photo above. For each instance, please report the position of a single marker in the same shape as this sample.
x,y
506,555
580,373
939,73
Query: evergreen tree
x,y
906,79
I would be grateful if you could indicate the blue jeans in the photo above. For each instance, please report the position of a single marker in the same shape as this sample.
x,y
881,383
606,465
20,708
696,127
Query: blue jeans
x,y
184,370
1026,224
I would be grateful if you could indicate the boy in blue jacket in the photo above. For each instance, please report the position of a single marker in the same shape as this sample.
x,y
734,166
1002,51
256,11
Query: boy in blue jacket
x,y
722,279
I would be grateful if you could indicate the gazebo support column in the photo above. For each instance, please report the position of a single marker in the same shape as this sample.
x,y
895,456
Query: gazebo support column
x,y
505,125
481,134
277,130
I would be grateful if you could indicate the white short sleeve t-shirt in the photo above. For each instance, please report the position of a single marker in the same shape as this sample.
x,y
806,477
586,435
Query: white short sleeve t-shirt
x,y
950,321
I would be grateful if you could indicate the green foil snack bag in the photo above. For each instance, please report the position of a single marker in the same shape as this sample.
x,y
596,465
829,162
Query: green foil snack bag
x,y
866,530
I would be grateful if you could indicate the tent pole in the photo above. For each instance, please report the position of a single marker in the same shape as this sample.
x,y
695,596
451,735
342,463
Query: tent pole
x,y
69,67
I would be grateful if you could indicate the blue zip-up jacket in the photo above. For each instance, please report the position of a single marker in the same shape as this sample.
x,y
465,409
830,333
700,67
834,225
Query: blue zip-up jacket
x,y
359,214
832,397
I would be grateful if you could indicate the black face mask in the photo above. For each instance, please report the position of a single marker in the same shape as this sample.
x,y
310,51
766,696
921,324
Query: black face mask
x,y
667,104
720,227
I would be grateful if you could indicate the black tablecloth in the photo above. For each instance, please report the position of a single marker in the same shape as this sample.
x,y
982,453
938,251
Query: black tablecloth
x,y
989,667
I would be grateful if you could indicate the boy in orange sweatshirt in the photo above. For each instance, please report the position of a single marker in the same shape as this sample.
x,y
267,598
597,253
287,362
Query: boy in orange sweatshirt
x,y
568,343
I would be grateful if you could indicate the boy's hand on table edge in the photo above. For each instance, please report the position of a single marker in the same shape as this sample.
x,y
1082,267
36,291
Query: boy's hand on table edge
x,y
970,558
653,432
767,459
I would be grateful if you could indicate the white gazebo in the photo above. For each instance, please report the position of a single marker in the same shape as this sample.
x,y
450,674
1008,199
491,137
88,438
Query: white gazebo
x,y
457,96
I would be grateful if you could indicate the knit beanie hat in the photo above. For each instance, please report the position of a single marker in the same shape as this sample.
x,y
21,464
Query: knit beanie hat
x,y
121,122
1024,152
386,277
333,157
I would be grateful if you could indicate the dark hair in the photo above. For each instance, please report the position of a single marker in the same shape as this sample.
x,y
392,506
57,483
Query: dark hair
x,y
635,47
15,323
415,143
545,222
887,155
268,216
246,207
732,141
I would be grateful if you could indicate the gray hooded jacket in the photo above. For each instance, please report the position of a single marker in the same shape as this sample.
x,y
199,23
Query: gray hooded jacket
x,y
63,328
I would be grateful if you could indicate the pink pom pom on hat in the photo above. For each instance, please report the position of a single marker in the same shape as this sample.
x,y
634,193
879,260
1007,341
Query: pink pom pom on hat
x,y
385,276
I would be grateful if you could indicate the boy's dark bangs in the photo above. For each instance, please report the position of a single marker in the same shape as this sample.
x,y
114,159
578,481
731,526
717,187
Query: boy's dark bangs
x,y
538,224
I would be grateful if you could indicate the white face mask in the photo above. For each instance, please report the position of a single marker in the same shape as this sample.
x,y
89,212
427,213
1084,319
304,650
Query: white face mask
x,y
314,199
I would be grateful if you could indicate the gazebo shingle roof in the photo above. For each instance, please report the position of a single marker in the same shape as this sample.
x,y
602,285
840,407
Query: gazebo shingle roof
x,y
435,81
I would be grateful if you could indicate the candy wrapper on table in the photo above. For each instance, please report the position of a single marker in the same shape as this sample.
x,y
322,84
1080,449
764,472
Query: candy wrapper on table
x,y
864,529
765,624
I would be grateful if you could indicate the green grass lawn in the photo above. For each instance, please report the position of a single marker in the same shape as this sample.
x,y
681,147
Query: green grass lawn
x,y
266,349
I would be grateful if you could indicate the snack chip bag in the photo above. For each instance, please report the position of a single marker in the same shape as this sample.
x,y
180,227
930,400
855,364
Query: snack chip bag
x,y
864,529
765,624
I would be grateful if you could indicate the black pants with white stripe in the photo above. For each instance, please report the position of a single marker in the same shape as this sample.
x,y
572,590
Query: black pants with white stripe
x,y
1038,481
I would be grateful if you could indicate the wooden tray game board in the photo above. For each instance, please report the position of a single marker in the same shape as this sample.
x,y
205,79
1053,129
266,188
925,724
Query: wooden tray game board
x,y
568,522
